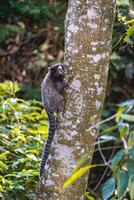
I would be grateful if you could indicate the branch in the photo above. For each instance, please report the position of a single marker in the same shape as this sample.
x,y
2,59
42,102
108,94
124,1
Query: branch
x,y
102,122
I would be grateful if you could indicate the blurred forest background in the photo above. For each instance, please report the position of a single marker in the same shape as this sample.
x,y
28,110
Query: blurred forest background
x,y
31,40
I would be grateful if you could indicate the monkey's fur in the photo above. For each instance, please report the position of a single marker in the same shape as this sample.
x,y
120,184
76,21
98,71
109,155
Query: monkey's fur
x,y
51,90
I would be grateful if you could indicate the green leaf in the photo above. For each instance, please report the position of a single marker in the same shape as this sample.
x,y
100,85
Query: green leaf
x,y
11,175
32,157
127,103
43,129
1,188
130,142
122,183
33,151
2,196
119,113
9,88
16,163
89,197
3,156
117,159
122,2
131,21
20,150
3,165
3,129
21,174
109,130
131,186
19,187
123,131
130,166
129,33
128,117
106,138
108,188
131,153
7,30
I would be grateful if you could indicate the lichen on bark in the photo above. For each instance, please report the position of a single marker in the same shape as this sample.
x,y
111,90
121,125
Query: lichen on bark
x,y
87,51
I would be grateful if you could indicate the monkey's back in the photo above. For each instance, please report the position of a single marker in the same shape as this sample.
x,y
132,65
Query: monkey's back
x,y
50,96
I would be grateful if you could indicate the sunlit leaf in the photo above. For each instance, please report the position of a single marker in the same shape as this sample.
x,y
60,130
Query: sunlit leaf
x,y
123,130
122,2
1,188
88,196
78,174
33,151
32,157
130,21
128,117
32,131
3,156
43,129
9,88
129,33
119,113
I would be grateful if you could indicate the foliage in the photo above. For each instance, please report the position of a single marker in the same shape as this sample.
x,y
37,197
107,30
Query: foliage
x,y
122,163
37,12
121,66
23,128
8,30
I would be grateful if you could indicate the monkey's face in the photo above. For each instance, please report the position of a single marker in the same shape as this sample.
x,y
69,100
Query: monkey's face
x,y
57,71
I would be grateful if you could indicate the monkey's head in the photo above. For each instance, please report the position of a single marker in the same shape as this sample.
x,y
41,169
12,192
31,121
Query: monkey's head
x,y
57,71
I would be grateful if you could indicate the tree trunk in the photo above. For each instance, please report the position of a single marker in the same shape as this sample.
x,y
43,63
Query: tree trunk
x,y
87,52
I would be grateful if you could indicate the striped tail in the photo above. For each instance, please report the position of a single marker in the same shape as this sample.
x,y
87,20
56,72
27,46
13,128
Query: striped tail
x,y
49,140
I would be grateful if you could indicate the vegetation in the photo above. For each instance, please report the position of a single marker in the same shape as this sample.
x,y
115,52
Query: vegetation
x,y
23,128
31,38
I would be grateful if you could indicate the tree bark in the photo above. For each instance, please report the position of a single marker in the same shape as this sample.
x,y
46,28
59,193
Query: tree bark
x,y
87,52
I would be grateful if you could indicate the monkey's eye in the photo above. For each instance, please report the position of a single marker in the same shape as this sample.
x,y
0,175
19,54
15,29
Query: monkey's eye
x,y
60,70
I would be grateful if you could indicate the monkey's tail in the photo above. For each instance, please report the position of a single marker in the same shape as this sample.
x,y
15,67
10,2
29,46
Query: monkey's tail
x,y
48,142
